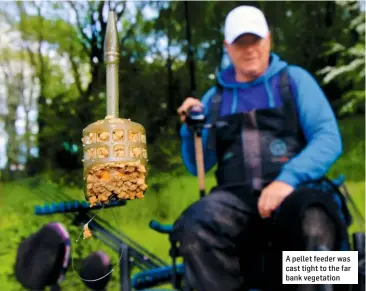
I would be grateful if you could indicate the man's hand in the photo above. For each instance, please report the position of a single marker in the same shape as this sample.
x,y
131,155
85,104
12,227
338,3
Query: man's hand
x,y
272,196
187,104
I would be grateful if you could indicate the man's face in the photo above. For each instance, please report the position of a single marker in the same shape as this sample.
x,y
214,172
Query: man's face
x,y
250,54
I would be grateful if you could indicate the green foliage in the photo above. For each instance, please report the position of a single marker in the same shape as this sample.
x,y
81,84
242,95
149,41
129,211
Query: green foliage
x,y
352,161
67,62
350,67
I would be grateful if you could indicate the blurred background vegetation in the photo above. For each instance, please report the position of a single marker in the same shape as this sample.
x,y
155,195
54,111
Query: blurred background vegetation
x,y
52,85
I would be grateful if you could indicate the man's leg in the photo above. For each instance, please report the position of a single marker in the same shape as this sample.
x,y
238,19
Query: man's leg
x,y
308,220
209,233
319,230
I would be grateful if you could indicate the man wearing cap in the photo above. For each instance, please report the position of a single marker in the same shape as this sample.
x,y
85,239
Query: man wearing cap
x,y
273,137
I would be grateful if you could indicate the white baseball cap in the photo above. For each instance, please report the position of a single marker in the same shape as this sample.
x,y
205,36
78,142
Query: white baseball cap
x,y
245,19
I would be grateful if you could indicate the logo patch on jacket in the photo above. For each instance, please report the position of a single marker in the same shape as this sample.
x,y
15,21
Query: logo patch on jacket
x,y
278,149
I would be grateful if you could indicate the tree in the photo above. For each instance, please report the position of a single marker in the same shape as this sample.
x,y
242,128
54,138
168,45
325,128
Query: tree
x,y
349,70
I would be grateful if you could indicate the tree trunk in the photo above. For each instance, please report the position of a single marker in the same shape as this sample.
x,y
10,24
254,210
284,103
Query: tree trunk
x,y
170,100
191,61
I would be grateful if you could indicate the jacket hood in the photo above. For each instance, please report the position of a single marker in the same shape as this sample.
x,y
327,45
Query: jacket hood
x,y
226,77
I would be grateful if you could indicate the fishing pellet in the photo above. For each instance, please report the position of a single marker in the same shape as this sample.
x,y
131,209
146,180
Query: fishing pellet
x,y
87,233
119,151
124,180
103,137
118,135
132,136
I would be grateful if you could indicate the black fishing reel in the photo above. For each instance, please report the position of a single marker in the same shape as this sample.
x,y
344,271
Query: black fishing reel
x,y
195,119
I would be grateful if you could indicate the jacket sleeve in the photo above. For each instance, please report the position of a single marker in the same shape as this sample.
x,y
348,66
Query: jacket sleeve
x,y
187,141
319,124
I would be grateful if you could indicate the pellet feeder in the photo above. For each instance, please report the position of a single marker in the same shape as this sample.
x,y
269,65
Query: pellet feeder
x,y
115,151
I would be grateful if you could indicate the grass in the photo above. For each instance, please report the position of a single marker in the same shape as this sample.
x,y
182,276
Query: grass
x,y
18,199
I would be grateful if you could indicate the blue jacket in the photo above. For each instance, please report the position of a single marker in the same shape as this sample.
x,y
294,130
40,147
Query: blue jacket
x,y
317,120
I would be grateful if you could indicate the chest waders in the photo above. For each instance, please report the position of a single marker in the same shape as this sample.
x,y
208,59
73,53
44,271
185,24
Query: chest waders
x,y
252,147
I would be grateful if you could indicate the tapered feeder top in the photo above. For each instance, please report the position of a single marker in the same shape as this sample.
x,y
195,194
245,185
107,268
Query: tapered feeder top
x,y
113,139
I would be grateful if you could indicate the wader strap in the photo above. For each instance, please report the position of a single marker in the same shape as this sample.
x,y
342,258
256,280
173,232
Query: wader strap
x,y
291,122
215,114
